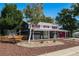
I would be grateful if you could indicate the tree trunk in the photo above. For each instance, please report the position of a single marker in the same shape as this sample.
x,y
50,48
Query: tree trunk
x,y
30,35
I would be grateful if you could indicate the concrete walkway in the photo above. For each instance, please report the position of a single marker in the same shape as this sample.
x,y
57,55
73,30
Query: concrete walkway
x,y
74,51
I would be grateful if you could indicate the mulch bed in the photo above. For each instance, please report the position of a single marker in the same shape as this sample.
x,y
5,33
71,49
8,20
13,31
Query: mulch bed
x,y
8,49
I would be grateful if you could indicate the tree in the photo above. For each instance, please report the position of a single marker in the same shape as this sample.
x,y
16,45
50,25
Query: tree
x,y
66,19
75,11
46,19
35,13
11,16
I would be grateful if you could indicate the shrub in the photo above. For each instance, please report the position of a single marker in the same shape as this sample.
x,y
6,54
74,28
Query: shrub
x,y
42,42
54,40
73,39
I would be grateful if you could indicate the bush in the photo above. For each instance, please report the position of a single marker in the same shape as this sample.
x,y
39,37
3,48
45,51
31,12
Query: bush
x,y
54,40
73,39
42,42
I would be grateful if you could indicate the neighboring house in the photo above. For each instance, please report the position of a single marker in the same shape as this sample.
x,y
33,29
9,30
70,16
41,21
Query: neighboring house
x,y
76,34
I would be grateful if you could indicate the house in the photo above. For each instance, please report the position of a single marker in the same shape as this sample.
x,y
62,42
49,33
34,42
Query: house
x,y
46,31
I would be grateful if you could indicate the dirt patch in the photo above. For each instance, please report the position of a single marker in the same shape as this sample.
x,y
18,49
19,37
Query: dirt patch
x,y
7,49
40,44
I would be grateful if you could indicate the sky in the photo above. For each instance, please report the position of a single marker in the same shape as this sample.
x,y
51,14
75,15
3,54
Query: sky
x,y
50,9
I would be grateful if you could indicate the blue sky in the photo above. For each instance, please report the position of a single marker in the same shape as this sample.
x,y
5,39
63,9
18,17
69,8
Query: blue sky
x,y
50,9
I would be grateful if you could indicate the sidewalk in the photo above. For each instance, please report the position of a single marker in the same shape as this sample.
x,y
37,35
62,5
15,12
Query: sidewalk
x,y
65,52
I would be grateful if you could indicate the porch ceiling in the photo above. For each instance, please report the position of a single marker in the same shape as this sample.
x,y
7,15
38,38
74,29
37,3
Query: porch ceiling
x,y
59,30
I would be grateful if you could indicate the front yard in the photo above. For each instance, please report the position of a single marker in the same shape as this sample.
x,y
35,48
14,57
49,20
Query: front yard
x,y
40,43
8,49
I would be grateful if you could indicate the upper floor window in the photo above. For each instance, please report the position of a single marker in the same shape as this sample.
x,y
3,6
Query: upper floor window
x,y
54,27
46,26
37,26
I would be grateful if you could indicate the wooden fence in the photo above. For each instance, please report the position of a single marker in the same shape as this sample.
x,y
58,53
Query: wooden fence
x,y
10,38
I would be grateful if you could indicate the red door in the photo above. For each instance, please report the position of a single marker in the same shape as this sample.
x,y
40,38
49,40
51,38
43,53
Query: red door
x,y
61,34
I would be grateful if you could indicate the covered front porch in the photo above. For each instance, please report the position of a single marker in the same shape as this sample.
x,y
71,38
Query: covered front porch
x,y
48,34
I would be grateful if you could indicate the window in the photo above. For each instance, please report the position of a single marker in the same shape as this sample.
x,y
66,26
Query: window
x,y
46,26
37,26
54,27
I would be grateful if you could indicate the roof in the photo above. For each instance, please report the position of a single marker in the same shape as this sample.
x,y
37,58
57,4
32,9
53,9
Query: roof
x,y
50,24
76,33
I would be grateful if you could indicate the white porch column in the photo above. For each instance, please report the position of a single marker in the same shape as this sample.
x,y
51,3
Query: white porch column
x,y
42,35
55,36
33,35
48,34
